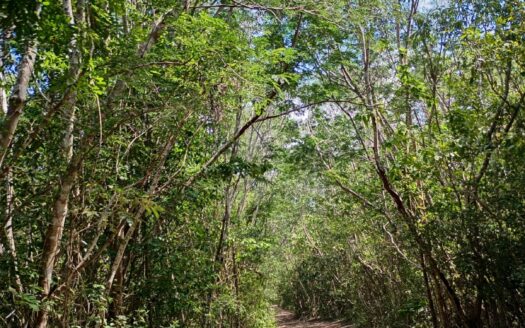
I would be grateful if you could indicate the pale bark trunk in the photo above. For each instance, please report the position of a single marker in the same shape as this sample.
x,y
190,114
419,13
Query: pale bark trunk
x,y
10,193
122,248
54,235
73,74
18,98
60,208
7,233
8,228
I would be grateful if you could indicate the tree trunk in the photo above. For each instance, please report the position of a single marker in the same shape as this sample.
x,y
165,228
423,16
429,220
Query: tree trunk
x,y
18,98
53,237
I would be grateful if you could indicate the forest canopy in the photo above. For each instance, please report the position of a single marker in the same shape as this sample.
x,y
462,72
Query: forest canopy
x,y
198,163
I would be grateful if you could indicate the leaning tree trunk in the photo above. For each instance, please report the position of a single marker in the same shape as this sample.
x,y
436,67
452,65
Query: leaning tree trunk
x,y
54,235
18,97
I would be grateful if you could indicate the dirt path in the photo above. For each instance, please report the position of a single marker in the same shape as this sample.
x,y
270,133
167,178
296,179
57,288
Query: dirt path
x,y
286,319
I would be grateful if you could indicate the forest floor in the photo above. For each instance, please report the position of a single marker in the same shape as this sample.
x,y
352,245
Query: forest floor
x,y
286,319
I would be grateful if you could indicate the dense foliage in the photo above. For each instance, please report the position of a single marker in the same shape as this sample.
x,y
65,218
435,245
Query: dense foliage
x,y
192,163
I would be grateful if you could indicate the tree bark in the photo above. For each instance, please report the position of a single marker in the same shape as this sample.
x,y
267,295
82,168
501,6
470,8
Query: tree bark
x,y
75,56
54,235
18,98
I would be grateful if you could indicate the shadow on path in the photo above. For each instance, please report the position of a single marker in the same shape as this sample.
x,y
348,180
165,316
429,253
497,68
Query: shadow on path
x,y
286,319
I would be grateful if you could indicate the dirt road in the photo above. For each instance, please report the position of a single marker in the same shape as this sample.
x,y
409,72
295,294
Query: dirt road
x,y
286,319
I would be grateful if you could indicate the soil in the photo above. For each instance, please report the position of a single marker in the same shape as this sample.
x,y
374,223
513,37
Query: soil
x,y
286,319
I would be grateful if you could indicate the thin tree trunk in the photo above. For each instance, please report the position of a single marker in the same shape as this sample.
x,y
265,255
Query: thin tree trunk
x,y
160,161
8,228
54,235
60,209
10,194
18,98
429,291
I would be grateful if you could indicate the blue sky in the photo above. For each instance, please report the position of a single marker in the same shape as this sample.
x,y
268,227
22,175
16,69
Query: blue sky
x,y
425,5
